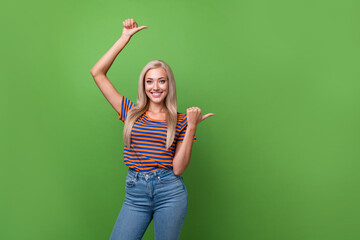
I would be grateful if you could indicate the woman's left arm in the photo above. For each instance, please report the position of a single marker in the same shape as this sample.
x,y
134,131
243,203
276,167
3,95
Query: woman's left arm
x,y
182,156
183,150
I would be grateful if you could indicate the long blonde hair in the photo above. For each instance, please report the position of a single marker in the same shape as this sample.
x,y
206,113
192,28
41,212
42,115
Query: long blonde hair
x,y
143,103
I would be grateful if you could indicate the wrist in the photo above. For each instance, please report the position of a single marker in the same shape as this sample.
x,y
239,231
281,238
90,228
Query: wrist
x,y
192,127
125,37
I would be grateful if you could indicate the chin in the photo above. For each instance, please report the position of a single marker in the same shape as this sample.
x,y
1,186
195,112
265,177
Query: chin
x,y
157,100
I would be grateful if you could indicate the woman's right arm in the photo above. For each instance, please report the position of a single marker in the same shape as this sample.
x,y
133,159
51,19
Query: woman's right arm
x,y
100,69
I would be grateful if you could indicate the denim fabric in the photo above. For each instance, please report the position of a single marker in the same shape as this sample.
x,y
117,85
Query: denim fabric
x,y
160,195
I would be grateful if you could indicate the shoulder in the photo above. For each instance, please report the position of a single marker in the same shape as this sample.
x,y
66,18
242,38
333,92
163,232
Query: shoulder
x,y
127,101
182,119
181,115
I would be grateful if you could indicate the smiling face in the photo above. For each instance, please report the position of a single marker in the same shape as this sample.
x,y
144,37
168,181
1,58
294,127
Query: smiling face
x,y
156,85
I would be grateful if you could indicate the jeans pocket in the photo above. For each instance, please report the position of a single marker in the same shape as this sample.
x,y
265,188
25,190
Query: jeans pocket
x,y
130,181
168,178
183,183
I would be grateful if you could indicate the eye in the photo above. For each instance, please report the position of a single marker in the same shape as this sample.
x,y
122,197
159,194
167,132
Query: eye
x,y
162,81
149,81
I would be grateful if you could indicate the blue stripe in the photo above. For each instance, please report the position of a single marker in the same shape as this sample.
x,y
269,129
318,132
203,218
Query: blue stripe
x,y
167,157
161,139
146,128
149,132
142,143
159,154
122,107
154,149
153,162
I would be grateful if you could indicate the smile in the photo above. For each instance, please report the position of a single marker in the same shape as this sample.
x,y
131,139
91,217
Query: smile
x,y
156,94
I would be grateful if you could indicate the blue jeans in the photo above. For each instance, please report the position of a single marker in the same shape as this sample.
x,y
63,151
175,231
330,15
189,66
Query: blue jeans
x,y
161,195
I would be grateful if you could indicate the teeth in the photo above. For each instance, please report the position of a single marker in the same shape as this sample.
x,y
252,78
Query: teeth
x,y
157,94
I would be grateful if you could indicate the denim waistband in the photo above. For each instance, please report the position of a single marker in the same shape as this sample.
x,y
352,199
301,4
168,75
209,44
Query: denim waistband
x,y
147,175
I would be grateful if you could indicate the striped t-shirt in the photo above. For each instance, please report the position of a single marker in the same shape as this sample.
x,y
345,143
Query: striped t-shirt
x,y
147,150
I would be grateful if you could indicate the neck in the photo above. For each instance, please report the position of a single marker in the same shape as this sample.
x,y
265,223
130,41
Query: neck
x,y
157,108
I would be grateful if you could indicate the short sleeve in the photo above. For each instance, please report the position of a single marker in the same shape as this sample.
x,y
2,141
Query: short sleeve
x,y
126,105
183,131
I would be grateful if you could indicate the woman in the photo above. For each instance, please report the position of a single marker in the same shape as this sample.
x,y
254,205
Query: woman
x,y
158,142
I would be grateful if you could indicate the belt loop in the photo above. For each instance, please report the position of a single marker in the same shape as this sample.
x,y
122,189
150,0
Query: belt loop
x,y
136,174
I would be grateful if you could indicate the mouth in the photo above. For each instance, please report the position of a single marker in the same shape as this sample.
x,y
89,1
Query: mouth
x,y
156,94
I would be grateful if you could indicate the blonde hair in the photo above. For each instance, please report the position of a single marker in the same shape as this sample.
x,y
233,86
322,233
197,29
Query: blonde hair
x,y
143,102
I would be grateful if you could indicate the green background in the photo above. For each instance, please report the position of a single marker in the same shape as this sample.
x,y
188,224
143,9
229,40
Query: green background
x,y
279,160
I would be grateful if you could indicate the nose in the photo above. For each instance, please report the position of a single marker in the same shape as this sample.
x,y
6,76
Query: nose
x,y
156,85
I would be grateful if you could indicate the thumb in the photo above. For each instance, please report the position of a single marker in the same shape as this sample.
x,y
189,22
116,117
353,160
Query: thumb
x,y
207,115
141,28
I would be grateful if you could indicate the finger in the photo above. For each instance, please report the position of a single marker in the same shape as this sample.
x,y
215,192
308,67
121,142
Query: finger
x,y
133,23
142,27
196,109
207,115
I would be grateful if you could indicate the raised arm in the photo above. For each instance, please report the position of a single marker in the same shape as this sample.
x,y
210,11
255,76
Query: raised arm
x,y
100,69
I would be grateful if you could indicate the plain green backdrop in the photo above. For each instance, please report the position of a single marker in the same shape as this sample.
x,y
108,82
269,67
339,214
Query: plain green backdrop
x,y
278,161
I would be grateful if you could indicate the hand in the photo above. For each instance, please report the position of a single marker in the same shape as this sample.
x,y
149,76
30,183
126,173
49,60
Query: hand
x,y
130,27
194,116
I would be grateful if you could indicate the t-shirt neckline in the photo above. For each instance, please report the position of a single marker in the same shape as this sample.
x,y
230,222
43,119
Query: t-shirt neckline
x,y
163,120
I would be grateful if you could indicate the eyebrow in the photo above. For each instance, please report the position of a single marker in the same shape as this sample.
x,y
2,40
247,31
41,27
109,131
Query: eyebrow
x,y
158,78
